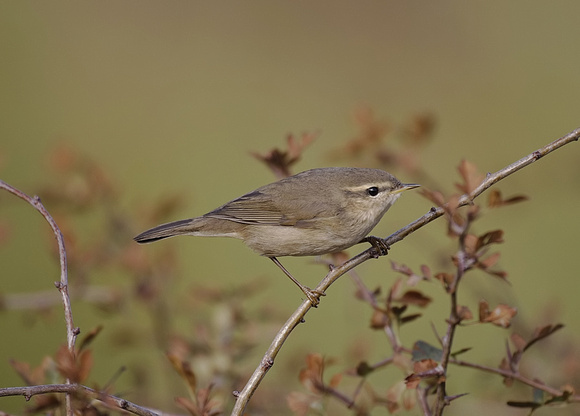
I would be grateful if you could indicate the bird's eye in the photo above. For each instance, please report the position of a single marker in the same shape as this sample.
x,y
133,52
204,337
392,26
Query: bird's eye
x,y
373,191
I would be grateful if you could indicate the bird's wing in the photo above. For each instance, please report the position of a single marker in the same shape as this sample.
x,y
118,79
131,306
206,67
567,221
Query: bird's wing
x,y
260,208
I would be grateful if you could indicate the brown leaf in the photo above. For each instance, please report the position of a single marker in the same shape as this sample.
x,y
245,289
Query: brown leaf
x,y
471,178
420,128
491,237
518,341
434,196
188,405
424,369
25,372
426,271
311,376
379,319
495,199
75,367
445,278
183,368
335,380
464,313
542,332
413,278
489,261
85,364
280,161
500,316
89,337
414,297
470,244
300,403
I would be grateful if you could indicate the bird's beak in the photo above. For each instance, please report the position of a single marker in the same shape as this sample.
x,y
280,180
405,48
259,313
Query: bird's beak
x,y
406,186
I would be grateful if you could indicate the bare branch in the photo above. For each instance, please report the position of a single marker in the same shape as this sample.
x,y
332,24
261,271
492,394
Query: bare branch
x,y
62,285
122,404
297,317
517,376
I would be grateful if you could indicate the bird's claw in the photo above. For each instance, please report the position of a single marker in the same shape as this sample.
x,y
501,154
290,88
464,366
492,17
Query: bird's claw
x,y
313,295
380,246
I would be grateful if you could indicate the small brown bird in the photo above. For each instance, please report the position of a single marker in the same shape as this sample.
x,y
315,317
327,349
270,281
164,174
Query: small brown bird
x,y
315,212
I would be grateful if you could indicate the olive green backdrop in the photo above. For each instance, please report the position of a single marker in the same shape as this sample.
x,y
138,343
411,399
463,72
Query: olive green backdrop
x,y
171,97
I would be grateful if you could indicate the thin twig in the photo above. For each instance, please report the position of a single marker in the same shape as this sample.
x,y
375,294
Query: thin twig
x,y
62,285
517,376
29,391
267,362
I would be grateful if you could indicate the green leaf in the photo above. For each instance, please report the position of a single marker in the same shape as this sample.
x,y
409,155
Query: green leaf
x,y
423,350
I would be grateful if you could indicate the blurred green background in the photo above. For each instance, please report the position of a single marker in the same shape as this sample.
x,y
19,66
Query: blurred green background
x,y
172,98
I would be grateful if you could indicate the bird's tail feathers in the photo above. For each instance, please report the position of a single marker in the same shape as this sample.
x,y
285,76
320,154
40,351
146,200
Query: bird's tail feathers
x,y
170,229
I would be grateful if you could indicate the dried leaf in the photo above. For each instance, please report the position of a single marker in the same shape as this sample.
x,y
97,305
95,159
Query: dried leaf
x,y
184,369
395,392
454,354
495,199
489,261
379,319
471,178
75,367
301,403
470,244
426,272
543,332
409,318
424,369
491,237
90,337
445,278
420,128
335,380
414,297
518,341
500,316
311,376
464,313
85,364
280,161
188,405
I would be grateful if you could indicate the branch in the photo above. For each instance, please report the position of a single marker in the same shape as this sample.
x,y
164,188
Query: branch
x,y
62,285
517,376
297,317
69,389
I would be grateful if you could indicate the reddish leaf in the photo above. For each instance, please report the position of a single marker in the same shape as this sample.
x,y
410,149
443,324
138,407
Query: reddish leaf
x,y
311,376
491,237
495,199
471,178
414,297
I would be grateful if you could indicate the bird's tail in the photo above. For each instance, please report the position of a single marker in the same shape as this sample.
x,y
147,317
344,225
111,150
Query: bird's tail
x,y
170,229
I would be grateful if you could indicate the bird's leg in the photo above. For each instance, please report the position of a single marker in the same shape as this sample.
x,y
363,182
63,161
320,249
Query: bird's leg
x,y
312,295
379,244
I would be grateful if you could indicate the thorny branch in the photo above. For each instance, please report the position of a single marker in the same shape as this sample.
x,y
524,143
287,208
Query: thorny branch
x,y
297,317
70,389
61,285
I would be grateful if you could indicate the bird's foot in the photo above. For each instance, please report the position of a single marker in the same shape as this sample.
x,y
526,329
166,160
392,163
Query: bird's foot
x,y
380,246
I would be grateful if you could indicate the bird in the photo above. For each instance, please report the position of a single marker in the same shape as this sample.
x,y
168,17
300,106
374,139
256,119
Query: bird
x,y
315,212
